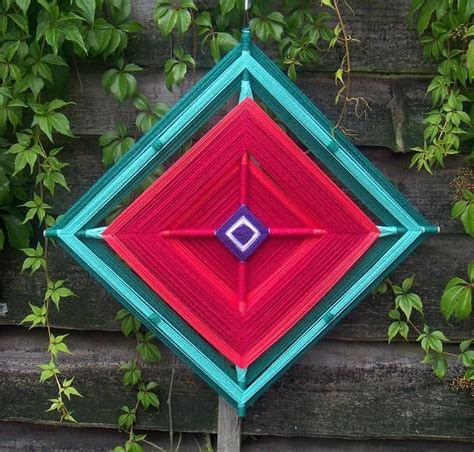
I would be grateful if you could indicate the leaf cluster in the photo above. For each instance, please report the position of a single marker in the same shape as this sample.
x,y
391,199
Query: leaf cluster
x,y
38,42
446,33
456,300
464,210
146,396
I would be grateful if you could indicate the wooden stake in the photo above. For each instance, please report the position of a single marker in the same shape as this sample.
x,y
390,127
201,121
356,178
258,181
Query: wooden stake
x,y
228,428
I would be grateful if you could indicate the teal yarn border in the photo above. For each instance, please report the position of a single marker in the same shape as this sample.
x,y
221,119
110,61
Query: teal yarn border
x,y
248,69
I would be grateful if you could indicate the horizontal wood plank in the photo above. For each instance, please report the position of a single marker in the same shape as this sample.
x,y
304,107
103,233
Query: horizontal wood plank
x,y
23,435
299,444
397,104
73,438
338,389
379,45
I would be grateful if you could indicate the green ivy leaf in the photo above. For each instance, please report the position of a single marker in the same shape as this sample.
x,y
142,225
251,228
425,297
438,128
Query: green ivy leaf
x,y
88,9
71,391
48,371
467,219
129,324
10,109
35,259
327,3
115,144
424,17
146,396
170,14
56,291
269,26
51,121
4,185
148,351
466,357
458,208
132,375
121,82
226,6
469,375
149,112
24,5
226,41
72,33
56,345
404,304
128,418
407,284
18,233
398,327
457,297
438,362
177,67
470,59
132,446
37,316
432,340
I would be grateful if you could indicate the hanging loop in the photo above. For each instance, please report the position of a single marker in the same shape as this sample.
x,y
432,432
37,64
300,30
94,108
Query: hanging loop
x,y
247,4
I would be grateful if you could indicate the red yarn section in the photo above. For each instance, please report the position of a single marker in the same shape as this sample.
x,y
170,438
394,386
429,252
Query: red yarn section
x,y
316,233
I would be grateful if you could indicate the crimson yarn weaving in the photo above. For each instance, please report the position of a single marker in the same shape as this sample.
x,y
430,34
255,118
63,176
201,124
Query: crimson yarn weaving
x,y
243,235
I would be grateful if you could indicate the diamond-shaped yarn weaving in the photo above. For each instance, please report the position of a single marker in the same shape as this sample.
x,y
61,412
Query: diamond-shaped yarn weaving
x,y
245,179
244,252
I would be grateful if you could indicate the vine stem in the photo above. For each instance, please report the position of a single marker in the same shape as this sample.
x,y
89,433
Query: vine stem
x,y
345,61
136,408
79,78
168,402
195,46
414,326
155,446
137,404
52,358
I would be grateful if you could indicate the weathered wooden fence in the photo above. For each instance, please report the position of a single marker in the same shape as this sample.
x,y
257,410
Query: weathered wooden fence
x,y
352,391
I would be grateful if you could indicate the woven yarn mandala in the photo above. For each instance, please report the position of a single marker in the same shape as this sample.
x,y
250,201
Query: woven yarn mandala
x,y
244,252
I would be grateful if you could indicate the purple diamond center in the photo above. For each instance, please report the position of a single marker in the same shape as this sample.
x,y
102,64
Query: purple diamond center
x,y
242,233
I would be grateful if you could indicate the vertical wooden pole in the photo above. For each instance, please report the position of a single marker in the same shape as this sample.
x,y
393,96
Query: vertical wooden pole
x,y
228,428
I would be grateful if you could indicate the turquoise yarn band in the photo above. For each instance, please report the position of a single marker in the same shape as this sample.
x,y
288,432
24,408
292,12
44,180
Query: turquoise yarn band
x,y
248,71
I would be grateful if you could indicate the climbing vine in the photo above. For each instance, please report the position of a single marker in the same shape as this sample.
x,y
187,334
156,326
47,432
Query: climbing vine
x,y
146,397
40,41
455,304
446,32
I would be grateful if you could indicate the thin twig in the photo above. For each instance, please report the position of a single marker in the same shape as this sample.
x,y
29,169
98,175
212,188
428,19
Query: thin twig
x,y
154,445
196,441
180,438
78,73
346,61
168,402
195,47
414,327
